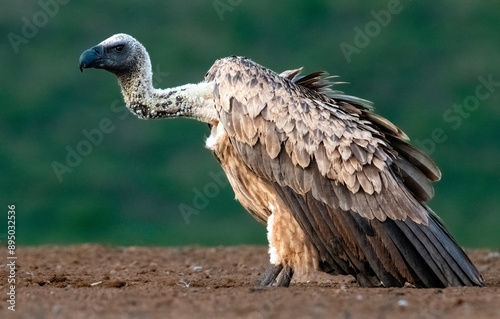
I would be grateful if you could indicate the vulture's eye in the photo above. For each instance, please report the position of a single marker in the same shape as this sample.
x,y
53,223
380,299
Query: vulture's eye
x,y
119,48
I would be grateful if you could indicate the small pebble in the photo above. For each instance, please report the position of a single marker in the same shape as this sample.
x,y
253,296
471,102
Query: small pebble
x,y
493,254
402,303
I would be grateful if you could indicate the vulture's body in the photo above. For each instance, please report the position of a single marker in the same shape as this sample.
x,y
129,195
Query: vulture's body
x,y
339,187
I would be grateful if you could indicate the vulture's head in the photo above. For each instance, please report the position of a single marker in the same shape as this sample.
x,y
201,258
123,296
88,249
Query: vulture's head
x,y
119,54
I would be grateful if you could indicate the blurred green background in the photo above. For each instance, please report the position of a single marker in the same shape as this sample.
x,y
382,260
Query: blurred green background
x,y
129,188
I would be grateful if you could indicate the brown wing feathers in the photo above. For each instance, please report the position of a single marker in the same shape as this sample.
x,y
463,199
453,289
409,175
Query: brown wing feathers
x,y
349,177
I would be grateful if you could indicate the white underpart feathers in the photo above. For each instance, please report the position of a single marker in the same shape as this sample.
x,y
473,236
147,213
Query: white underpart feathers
x,y
217,133
273,253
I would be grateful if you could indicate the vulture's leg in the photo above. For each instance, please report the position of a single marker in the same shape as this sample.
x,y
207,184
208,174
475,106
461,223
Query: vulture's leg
x,y
276,275
284,277
270,275
368,281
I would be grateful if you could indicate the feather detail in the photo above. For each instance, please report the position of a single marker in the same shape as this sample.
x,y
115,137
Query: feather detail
x,y
272,142
347,176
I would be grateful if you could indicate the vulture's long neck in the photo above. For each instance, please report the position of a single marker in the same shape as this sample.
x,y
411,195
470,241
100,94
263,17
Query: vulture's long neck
x,y
190,100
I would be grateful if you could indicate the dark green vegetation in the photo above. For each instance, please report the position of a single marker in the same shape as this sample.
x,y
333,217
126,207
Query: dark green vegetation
x,y
424,69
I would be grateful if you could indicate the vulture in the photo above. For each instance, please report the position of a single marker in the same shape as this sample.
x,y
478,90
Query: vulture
x,y
340,188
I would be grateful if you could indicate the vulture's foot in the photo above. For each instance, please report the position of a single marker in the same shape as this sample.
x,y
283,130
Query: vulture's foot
x,y
276,275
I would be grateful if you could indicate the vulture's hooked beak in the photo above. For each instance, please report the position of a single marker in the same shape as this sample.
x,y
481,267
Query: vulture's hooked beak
x,y
92,58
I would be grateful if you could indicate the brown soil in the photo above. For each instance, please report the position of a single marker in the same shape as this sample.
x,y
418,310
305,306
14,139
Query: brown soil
x,y
91,281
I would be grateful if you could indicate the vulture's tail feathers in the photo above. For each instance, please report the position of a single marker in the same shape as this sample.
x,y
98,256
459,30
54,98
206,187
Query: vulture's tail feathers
x,y
405,251
432,254
382,253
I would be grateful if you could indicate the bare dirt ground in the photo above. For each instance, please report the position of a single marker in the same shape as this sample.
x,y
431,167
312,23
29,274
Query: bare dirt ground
x,y
92,281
